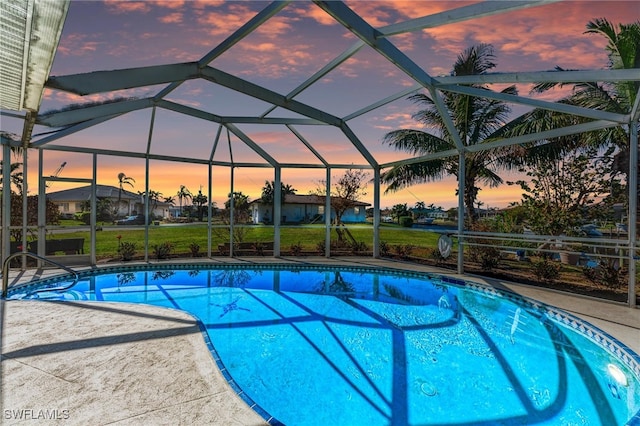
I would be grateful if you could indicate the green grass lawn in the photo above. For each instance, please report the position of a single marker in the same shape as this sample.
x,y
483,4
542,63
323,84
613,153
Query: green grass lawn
x,y
183,236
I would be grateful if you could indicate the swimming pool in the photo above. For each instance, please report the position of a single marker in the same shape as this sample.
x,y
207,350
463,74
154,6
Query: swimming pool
x,y
313,345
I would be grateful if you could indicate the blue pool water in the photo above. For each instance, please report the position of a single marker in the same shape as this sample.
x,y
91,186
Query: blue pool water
x,y
320,346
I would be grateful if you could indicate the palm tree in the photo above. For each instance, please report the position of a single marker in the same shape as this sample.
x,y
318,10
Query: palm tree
x,y
16,176
200,200
183,193
623,48
154,198
123,179
268,193
477,120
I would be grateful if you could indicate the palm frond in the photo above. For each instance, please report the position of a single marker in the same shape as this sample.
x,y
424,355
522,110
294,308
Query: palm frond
x,y
406,175
416,142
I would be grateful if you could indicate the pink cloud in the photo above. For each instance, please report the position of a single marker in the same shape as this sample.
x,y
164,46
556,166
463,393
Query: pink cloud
x,y
78,44
533,35
202,4
236,16
172,18
170,4
118,6
260,47
276,26
311,11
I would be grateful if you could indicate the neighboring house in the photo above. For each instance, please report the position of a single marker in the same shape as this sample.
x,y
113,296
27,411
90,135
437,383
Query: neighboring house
x,y
71,201
436,213
304,208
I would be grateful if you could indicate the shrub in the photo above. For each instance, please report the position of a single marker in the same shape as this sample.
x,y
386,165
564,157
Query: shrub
x,y
321,246
403,250
608,273
385,250
489,258
435,255
259,247
195,249
126,250
84,217
296,249
546,270
358,247
406,221
163,250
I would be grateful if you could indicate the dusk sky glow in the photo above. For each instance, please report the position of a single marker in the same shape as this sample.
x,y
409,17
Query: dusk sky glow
x,y
280,55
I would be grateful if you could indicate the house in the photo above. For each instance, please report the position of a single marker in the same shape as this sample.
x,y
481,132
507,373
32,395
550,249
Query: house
x,y
72,201
305,209
429,213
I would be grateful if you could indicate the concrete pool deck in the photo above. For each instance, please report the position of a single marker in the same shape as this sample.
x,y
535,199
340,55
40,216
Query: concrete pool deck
x,y
114,363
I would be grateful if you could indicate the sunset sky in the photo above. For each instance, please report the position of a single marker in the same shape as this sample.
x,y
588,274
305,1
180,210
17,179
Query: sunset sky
x,y
280,55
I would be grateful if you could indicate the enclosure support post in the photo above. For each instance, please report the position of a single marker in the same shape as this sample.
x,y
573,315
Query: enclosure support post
x,y
209,209
461,189
376,212
210,221
146,186
232,202
25,202
94,207
232,199
42,207
327,215
633,210
6,201
277,209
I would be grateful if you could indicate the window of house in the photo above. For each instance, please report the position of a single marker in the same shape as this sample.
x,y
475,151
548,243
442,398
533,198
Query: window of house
x,y
356,210
321,209
78,207
64,207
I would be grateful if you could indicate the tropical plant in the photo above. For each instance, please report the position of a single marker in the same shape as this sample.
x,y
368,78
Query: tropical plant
x,y
52,214
346,192
241,215
153,199
405,221
104,210
268,193
623,47
15,174
559,192
296,249
240,202
200,200
385,249
163,250
546,270
183,194
194,248
399,210
403,250
477,121
126,250
123,179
